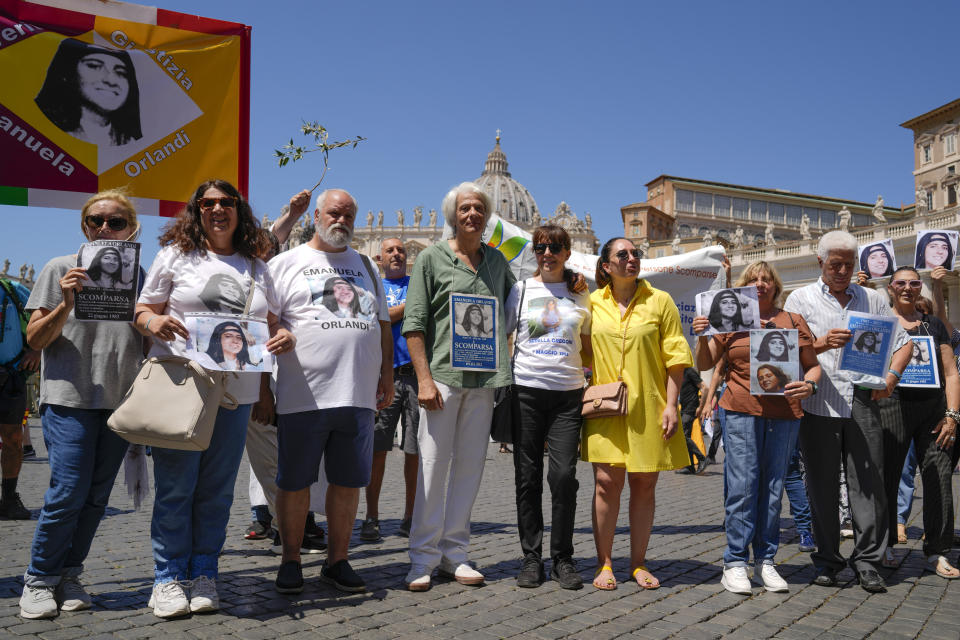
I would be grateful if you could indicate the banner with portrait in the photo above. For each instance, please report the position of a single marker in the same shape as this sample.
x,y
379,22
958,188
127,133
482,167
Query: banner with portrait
x,y
105,95
936,248
228,342
877,259
922,370
473,333
774,360
869,349
110,289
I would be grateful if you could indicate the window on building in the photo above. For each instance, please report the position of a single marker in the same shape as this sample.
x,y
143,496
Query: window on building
x,y
684,200
685,231
703,203
660,253
741,208
828,219
721,206
926,153
950,144
814,215
758,210
930,200
776,212
951,195
952,169
723,233
635,230
860,220
794,214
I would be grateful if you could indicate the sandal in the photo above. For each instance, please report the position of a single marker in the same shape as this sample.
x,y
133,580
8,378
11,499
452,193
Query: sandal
x,y
505,449
901,533
649,582
942,567
607,584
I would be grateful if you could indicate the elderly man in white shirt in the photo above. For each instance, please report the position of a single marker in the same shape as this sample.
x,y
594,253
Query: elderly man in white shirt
x,y
842,419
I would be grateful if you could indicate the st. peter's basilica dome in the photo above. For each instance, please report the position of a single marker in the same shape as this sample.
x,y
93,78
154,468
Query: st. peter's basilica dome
x,y
511,200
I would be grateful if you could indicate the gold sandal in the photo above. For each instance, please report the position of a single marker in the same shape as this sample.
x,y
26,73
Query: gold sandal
x,y
647,583
609,584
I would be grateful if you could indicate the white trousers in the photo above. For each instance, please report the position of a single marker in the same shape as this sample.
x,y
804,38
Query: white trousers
x,y
452,440
262,454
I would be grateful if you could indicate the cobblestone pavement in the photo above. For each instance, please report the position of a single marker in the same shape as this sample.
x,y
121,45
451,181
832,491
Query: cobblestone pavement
x,y
685,553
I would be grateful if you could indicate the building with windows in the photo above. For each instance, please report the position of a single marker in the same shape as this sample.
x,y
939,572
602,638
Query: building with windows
x,y
936,160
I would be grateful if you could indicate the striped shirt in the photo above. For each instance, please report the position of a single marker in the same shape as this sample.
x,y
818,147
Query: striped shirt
x,y
823,312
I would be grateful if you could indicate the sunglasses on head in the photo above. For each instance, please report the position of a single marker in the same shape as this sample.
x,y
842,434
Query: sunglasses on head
x,y
114,224
226,202
900,284
541,247
623,254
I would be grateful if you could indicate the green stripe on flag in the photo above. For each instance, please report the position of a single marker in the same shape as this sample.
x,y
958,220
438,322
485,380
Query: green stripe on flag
x,y
13,195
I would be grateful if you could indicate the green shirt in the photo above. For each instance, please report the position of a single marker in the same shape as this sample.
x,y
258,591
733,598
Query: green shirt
x,y
436,274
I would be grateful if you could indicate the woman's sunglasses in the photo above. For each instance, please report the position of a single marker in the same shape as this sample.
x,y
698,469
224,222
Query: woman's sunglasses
x,y
227,202
541,247
623,254
900,284
114,224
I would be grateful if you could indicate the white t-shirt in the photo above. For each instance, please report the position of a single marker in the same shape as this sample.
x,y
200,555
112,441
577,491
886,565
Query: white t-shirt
x,y
548,347
331,305
208,283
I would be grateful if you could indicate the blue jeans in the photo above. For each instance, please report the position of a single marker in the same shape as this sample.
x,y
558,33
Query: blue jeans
x,y
194,493
757,451
907,481
797,494
84,458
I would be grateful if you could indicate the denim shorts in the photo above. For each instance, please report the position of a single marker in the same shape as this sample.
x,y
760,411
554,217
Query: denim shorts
x,y
341,436
405,410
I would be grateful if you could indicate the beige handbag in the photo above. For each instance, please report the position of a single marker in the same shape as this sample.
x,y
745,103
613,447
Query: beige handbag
x,y
173,404
608,400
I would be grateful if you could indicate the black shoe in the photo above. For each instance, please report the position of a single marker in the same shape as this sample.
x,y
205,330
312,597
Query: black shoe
x,y
343,577
531,572
12,508
259,530
701,467
289,578
686,471
870,581
29,452
564,573
370,530
311,528
825,578
404,529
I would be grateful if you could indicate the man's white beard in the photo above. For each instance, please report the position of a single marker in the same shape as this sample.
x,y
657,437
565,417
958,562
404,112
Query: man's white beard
x,y
337,235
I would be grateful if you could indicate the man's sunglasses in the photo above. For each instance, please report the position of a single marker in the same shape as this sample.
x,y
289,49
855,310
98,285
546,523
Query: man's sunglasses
x,y
623,254
227,202
913,284
541,248
115,224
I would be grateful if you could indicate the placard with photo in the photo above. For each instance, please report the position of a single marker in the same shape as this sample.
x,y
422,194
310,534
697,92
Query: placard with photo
x,y
922,370
729,310
877,259
936,248
110,289
774,360
473,335
870,347
228,342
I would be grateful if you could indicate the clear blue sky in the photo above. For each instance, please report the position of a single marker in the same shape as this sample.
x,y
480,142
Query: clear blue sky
x,y
594,99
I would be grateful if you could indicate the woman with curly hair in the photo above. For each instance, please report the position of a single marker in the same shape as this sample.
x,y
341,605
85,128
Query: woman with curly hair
x,y
771,379
216,234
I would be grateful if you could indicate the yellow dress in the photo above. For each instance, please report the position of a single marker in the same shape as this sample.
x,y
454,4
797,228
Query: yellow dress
x,y
654,342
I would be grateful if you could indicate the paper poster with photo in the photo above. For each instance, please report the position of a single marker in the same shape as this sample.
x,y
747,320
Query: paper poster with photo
x,y
228,342
877,259
922,370
729,310
110,289
343,295
473,335
774,360
936,248
871,344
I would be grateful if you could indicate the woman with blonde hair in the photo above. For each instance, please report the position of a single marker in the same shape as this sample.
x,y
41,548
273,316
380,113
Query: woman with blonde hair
x,y
759,435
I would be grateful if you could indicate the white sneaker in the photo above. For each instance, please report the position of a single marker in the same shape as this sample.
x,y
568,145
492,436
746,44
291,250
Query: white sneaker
x,y
418,578
735,580
770,578
38,602
203,595
169,600
71,595
462,573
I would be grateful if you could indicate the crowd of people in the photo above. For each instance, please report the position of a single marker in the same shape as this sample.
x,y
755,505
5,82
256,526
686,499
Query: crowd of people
x,y
358,354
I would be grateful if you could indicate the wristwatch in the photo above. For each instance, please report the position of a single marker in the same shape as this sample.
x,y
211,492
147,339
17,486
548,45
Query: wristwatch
x,y
813,385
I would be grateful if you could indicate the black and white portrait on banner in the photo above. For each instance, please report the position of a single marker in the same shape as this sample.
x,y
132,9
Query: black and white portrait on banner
x,y
110,290
729,310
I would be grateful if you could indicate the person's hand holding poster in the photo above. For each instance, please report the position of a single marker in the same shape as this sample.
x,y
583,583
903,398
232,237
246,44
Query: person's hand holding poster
x,y
774,360
871,344
877,260
229,342
110,290
729,310
936,248
922,371
473,334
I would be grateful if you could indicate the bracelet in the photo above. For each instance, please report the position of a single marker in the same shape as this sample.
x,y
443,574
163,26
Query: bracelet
x,y
149,321
952,413
894,372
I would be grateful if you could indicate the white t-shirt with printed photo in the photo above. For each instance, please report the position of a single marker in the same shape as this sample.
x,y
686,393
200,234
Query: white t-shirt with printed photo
x,y
329,302
548,347
209,283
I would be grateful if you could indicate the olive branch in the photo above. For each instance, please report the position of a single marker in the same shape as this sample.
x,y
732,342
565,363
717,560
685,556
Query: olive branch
x,y
290,152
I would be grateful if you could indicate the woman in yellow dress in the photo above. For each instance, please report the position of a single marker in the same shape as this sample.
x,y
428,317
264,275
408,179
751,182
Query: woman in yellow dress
x,y
643,322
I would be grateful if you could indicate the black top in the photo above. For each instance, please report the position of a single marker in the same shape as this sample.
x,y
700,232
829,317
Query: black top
x,y
929,326
690,391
